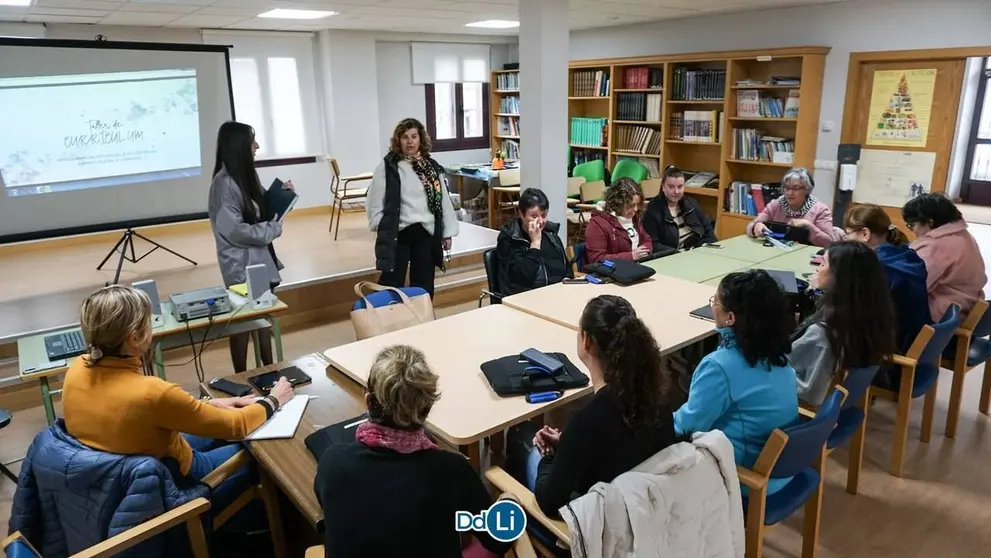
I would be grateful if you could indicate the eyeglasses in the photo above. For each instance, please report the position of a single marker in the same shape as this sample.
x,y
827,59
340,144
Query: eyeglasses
x,y
911,226
713,302
794,188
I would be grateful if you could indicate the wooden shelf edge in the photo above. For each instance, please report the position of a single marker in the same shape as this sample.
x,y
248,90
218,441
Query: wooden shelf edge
x,y
579,146
698,102
635,154
604,98
647,90
644,122
730,214
683,142
761,119
709,192
767,86
760,163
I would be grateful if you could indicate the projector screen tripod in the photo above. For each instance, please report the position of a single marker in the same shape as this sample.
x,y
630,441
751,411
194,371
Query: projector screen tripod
x,y
125,244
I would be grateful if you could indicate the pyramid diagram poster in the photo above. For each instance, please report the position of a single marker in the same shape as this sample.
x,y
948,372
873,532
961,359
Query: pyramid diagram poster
x,y
901,103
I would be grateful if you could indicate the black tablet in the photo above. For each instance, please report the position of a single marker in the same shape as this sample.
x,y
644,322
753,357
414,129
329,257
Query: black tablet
x,y
703,313
265,382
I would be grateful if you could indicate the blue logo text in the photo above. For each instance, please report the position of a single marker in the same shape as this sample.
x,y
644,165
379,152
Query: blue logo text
x,y
504,521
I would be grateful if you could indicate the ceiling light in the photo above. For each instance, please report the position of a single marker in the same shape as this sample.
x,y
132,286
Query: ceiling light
x,y
295,14
19,3
494,24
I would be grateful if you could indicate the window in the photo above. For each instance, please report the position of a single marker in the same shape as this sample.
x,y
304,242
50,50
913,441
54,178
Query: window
x,y
274,84
458,115
977,170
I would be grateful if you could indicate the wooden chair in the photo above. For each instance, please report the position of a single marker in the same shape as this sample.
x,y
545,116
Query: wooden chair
x,y
966,351
798,452
189,513
574,190
852,422
340,192
5,418
501,197
503,482
919,377
651,188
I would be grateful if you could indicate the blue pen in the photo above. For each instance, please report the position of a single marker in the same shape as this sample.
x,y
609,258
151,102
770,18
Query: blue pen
x,y
593,279
542,397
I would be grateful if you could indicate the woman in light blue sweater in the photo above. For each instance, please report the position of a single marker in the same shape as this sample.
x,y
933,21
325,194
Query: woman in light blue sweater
x,y
746,387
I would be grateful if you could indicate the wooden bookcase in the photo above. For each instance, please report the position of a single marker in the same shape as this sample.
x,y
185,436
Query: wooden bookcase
x,y
504,106
716,155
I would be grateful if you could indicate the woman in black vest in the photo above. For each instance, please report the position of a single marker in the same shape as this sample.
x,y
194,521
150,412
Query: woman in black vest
x,y
410,208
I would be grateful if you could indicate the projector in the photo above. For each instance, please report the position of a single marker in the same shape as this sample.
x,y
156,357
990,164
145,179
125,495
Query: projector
x,y
200,303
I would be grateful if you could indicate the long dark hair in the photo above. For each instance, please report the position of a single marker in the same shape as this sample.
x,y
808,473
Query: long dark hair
x,y
235,153
765,318
631,360
856,308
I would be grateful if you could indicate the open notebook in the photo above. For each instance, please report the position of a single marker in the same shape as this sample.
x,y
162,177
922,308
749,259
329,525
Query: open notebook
x,y
284,422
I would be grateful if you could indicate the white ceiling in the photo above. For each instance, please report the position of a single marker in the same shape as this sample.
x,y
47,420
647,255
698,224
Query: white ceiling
x,y
430,16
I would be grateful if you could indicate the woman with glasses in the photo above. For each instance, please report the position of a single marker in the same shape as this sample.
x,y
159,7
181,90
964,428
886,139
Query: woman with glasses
x,y
798,208
745,388
955,271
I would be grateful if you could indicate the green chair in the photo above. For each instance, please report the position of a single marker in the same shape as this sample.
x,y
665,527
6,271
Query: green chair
x,y
592,171
628,168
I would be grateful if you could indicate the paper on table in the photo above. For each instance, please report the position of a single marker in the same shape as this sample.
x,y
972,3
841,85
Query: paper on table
x,y
284,422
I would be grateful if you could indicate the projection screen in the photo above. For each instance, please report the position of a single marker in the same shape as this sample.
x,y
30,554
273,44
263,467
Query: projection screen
x,y
107,135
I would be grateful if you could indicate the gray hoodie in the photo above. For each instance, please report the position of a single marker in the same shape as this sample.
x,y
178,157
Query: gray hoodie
x,y
814,364
240,244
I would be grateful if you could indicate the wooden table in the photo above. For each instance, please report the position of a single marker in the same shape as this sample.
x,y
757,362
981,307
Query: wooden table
x,y
288,462
695,266
33,363
745,248
455,347
662,302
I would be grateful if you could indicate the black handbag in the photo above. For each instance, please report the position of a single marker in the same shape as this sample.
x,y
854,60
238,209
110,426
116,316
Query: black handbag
x,y
508,376
623,272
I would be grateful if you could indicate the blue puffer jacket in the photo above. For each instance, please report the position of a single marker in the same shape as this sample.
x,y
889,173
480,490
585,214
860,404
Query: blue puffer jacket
x,y
70,497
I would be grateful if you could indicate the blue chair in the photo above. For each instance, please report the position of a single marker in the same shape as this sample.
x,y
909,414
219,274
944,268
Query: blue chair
x,y
919,374
797,452
852,422
969,348
578,257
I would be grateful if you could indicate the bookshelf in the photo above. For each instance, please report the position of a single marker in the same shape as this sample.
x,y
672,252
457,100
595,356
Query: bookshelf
x,y
682,110
505,109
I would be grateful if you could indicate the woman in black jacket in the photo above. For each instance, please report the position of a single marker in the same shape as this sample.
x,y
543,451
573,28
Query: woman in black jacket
x,y
675,221
529,251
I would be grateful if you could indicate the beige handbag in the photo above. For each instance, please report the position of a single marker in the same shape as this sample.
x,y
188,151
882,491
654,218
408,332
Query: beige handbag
x,y
375,320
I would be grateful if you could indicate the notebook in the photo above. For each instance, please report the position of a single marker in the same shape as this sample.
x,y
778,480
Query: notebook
x,y
278,200
284,422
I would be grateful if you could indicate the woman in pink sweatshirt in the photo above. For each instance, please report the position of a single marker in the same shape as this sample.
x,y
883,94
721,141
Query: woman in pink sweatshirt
x,y
799,208
954,266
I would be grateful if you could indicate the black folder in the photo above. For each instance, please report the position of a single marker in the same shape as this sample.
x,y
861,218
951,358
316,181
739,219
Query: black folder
x,y
279,200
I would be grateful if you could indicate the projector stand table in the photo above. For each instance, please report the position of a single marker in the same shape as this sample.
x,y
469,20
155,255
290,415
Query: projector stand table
x,y
126,243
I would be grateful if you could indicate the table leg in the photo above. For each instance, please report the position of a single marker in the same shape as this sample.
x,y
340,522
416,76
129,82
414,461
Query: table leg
x,y
491,198
159,361
474,455
461,189
46,400
277,337
270,495
255,339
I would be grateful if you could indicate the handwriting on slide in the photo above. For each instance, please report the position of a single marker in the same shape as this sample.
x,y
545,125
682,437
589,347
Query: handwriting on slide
x,y
102,132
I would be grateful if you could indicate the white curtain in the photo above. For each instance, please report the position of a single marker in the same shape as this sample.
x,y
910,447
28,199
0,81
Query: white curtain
x,y
449,62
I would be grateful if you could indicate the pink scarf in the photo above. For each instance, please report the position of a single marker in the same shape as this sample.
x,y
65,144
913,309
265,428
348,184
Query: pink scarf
x,y
401,441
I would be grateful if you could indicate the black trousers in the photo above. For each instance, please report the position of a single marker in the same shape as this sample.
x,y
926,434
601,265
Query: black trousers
x,y
414,251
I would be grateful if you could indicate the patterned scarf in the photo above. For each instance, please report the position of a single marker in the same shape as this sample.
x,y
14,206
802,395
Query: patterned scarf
x,y
430,180
376,435
791,213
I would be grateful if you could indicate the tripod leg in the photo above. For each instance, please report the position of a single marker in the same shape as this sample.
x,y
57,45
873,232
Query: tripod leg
x,y
111,253
157,245
128,241
7,473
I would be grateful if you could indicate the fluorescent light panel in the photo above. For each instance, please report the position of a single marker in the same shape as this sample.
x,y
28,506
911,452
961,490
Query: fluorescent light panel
x,y
494,24
294,14
18,3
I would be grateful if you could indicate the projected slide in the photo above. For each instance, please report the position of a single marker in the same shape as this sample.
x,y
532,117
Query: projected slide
x,y
73,132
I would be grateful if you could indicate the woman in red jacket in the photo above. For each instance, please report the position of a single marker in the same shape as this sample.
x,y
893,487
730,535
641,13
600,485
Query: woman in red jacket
x,y
617,233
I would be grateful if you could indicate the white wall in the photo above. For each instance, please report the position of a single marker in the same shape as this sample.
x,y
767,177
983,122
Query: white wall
x,y
870,25
123,33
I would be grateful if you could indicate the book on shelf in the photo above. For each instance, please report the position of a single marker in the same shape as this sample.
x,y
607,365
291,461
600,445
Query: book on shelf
x,y
751,103
653,166
776,80
509,105
579,156
785,80
747,198
698,85
509,125
508,82
590,83
643,78
640,107
698,126
511,148
753,145
637,139
589,131
695,179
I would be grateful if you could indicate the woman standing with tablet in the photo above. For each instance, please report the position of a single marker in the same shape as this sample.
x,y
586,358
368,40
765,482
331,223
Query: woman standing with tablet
x,y
410,209
242,228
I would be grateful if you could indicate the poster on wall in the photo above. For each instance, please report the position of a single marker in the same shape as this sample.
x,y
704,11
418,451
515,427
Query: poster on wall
x,y
891,178
901,104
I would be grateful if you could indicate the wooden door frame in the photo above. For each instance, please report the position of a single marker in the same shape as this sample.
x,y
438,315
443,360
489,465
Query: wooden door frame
x,y
847,133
